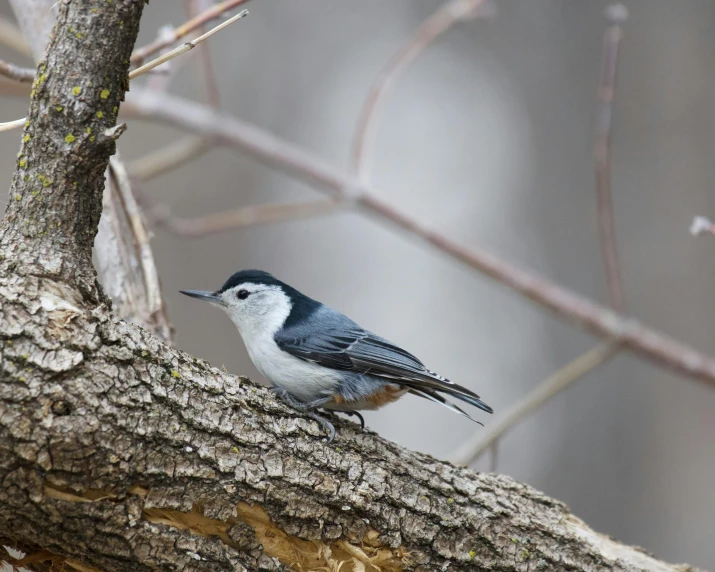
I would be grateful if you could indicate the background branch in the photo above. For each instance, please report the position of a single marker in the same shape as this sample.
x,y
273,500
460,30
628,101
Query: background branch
x,y
17,73
437,24
161,216
472,449
216,11
643,341
616,15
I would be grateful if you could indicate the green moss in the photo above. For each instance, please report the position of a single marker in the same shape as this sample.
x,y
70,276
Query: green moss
x,y
76,90
450,500
70,138
235,450
27,123
100,115
58,108
89,130
115,109
26,138
175,374
79,35
472,554
104,94
91,139
18,197
22,163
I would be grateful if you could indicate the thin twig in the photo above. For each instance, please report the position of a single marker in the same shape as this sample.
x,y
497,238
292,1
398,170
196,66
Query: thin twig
x,y
180,152
616,15
183,48
168,158
154,311
17,73
12,124
470,451
186,28
588,361
206,67
160,215
268,148
436,25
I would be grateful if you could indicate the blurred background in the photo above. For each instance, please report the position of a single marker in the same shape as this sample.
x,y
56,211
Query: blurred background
x,y
488,137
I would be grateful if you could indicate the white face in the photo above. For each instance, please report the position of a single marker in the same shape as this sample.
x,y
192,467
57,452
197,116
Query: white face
x,y
257,310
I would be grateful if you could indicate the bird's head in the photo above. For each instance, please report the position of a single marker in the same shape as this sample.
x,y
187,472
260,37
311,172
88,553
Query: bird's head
x,y
256,302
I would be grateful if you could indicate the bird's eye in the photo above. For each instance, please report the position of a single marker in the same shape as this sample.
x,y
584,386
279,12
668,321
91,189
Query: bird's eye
x,y
242,294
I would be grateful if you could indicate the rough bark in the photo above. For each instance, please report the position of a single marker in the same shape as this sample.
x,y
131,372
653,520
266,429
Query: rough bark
x,y
125,264
118,452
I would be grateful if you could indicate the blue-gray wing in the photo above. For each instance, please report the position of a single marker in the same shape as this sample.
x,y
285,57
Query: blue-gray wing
x,y
332,340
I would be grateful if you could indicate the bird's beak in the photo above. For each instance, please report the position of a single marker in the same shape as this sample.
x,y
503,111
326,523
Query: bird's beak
x,y
212,297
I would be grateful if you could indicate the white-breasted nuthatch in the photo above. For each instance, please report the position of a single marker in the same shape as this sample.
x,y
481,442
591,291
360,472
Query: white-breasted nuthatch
x,y
316,357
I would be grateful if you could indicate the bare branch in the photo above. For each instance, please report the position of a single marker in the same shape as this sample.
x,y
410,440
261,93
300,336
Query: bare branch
x,y
586,362
206,68
183,48
144,289
16,72
436,25
212,13
161,215
616,15
482,441
168,158
266,147
13,124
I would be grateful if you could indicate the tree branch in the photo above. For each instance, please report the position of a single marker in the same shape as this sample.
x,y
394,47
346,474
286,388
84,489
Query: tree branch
x,y
437,24
645,342
471,450
186,28
161,216
25,75
120,453
616,15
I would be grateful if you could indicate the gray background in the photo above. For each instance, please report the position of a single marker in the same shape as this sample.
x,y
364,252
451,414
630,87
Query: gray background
x,y
488,137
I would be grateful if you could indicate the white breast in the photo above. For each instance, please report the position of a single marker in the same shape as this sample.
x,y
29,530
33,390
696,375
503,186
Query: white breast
x,y
258,318
304,380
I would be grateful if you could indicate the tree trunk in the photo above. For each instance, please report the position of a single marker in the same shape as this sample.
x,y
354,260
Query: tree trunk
x,y
118,452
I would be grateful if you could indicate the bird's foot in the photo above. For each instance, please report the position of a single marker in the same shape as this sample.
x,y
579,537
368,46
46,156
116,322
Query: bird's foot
x,y
358,415
307,407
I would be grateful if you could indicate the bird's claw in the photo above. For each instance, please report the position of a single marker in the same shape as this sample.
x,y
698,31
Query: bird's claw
x,y
306,409
359,416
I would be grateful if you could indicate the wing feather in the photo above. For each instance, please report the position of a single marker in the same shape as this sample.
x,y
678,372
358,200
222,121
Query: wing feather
x,y
348,347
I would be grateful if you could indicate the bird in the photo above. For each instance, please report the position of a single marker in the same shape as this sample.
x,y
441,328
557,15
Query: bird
x,y
317,358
